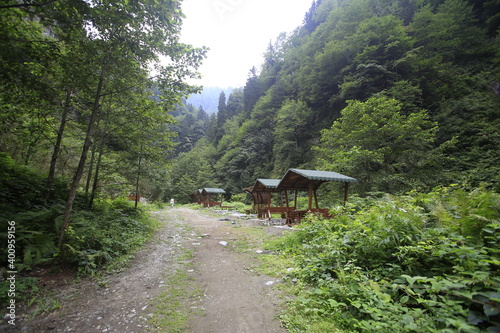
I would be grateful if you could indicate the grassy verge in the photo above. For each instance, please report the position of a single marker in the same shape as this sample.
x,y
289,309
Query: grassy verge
x,y
179,299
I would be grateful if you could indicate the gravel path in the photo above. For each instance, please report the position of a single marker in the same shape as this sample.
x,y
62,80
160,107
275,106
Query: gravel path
x,y
233,299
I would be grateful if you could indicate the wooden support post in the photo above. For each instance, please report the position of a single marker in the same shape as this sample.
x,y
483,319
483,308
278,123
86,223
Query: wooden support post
x,y
316,199
310,195
346,192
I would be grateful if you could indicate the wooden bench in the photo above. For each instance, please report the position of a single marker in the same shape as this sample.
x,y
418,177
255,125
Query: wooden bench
x,y
297,215
227,207
284,211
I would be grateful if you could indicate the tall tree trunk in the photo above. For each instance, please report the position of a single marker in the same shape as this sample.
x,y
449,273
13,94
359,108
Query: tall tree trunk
x,y
96,175
81,165
100,151
57,146
137,180
91,169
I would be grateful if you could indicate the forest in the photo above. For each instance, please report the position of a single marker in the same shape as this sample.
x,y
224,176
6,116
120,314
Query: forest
x,y
403,95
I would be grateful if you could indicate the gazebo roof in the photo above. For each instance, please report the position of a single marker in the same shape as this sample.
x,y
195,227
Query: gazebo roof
x,y
266,184
214,191
302,179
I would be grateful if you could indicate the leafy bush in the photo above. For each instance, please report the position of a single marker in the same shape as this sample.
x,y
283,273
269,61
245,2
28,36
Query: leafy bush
x,y
22,188
420,263
111,230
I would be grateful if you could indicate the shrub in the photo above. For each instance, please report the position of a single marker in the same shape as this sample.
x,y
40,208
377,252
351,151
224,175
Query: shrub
x,y
112,229
419,263
22,188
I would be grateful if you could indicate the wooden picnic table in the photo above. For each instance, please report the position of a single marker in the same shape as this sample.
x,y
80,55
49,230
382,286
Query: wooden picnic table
x,y
298,214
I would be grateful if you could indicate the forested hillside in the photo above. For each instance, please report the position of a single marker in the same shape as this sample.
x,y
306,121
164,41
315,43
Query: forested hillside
x,y
400,94
208,98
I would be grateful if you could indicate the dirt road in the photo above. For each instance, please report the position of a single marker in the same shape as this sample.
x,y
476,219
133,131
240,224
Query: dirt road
x,y
232,297
235,299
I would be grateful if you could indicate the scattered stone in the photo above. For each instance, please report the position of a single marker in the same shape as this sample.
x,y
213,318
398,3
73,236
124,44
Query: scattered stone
x,y
223,243
238,215
269,283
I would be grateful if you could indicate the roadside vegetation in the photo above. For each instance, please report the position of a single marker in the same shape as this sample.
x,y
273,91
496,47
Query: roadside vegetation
x,y
99,239
413,263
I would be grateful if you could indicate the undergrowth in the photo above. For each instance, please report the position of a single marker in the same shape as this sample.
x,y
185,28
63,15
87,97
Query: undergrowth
x,y
418,263
97,240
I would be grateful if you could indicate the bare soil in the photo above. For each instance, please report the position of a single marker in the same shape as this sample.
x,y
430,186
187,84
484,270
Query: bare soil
x,y
233,299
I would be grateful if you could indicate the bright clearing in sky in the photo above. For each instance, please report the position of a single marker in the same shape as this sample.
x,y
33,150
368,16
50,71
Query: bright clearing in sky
x,y
238,33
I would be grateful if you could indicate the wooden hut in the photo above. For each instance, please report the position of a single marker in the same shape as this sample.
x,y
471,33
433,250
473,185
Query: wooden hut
x,y
261,193
196,196
212,197
309,180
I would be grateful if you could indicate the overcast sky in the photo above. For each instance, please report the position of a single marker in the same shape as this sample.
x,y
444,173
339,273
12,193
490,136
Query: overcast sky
x,y
237,33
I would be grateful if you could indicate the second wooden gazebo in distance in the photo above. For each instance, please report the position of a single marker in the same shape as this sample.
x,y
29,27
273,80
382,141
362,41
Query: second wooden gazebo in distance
x,y
209,197
261,194
196,196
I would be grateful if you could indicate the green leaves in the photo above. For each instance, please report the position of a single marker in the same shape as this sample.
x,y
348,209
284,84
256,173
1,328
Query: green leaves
x,y
291,133
379,145
385,267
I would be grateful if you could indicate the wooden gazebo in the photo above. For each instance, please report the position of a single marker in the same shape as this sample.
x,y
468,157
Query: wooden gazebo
x,y
261,193
196,196
212,197
309,180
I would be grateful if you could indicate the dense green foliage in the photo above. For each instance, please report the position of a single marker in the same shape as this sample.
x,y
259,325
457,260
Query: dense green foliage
x,y
384,148
418,263
403,95
86,88
400,94
85,93
103,238
112,229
